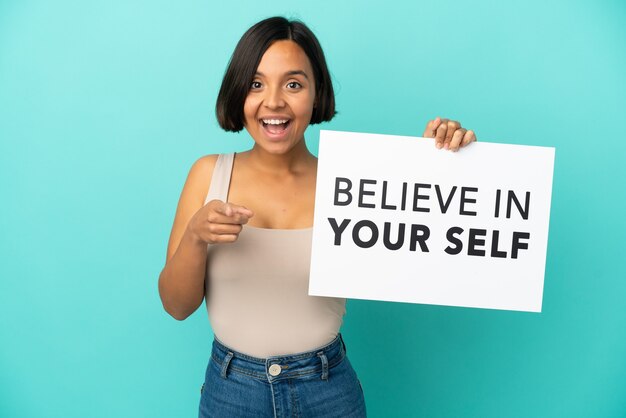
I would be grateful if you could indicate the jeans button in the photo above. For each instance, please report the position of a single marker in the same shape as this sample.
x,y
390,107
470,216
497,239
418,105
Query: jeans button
x,y
275,369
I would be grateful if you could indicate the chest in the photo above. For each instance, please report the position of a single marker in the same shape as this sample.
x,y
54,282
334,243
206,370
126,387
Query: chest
x,y
277,202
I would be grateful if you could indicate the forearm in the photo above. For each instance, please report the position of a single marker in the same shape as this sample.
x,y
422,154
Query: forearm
x,y
181,283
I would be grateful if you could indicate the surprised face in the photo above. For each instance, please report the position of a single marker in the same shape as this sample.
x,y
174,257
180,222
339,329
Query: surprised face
x,y
280,102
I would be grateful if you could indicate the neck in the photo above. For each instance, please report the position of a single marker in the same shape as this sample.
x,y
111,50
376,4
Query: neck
x,y
295,160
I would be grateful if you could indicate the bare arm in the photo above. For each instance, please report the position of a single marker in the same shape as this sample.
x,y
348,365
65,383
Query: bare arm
x,y
181,283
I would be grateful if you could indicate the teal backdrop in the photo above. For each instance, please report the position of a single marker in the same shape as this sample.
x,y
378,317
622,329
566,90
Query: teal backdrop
x,y
104,106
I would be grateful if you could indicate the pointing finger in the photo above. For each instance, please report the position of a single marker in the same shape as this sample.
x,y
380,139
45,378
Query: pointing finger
x,y
224,209
234,213
242,210
241,218
215,217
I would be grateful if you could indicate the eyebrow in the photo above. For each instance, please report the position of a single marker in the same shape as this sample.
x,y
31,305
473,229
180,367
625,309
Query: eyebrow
x,y
292,72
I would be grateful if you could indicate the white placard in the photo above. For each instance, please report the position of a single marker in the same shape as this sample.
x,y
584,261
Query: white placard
x,y
452,207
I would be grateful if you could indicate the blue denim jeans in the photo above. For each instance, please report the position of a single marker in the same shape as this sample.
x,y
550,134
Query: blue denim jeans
x,y
318,383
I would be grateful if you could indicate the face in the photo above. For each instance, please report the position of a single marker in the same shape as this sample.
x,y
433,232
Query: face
x,y
280,102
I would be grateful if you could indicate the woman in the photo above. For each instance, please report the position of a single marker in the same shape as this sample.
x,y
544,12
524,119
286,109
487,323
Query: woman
x,y
245,244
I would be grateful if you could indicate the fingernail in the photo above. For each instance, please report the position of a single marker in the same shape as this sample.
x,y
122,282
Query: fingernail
x,y
446,146
438,145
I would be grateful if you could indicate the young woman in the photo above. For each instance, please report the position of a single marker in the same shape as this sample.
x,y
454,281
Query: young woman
x,y
242,239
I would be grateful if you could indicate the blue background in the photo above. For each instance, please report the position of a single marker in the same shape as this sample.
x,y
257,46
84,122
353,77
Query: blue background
x,y
105,105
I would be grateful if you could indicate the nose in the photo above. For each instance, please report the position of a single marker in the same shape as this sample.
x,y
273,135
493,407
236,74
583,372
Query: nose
x,y
274,98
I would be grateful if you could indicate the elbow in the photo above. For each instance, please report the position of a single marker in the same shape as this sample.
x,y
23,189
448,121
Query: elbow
x,y
176,312
177,315
173,309
177,306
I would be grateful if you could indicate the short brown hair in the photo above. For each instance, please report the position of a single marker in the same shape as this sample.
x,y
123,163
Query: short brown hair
x,y
246,58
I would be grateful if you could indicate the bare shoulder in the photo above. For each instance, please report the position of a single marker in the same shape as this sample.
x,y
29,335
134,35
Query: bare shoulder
x,y
191,198
198,181
200,174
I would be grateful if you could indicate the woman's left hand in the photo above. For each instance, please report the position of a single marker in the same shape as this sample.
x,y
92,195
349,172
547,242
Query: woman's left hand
x,y
448,134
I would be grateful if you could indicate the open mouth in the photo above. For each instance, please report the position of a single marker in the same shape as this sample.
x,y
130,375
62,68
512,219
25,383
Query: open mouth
x,y
275,126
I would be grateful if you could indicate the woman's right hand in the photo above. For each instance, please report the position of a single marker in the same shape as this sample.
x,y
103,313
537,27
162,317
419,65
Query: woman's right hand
x,y
218,222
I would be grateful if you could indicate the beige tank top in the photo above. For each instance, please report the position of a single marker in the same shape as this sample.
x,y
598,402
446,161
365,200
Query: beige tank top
x,y
257,287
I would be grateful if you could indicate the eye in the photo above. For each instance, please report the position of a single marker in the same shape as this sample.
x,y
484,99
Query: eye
x,y
255,85
294,85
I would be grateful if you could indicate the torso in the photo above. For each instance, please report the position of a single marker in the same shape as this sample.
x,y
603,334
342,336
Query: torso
x,y
256,288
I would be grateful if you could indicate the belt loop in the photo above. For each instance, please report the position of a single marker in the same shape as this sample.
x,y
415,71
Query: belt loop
x,y
322,356
225,364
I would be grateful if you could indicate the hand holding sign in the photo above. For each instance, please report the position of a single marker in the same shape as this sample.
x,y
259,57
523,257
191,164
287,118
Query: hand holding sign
x,y
448,134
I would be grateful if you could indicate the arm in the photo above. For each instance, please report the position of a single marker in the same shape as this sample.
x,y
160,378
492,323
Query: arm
x,y
181,283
